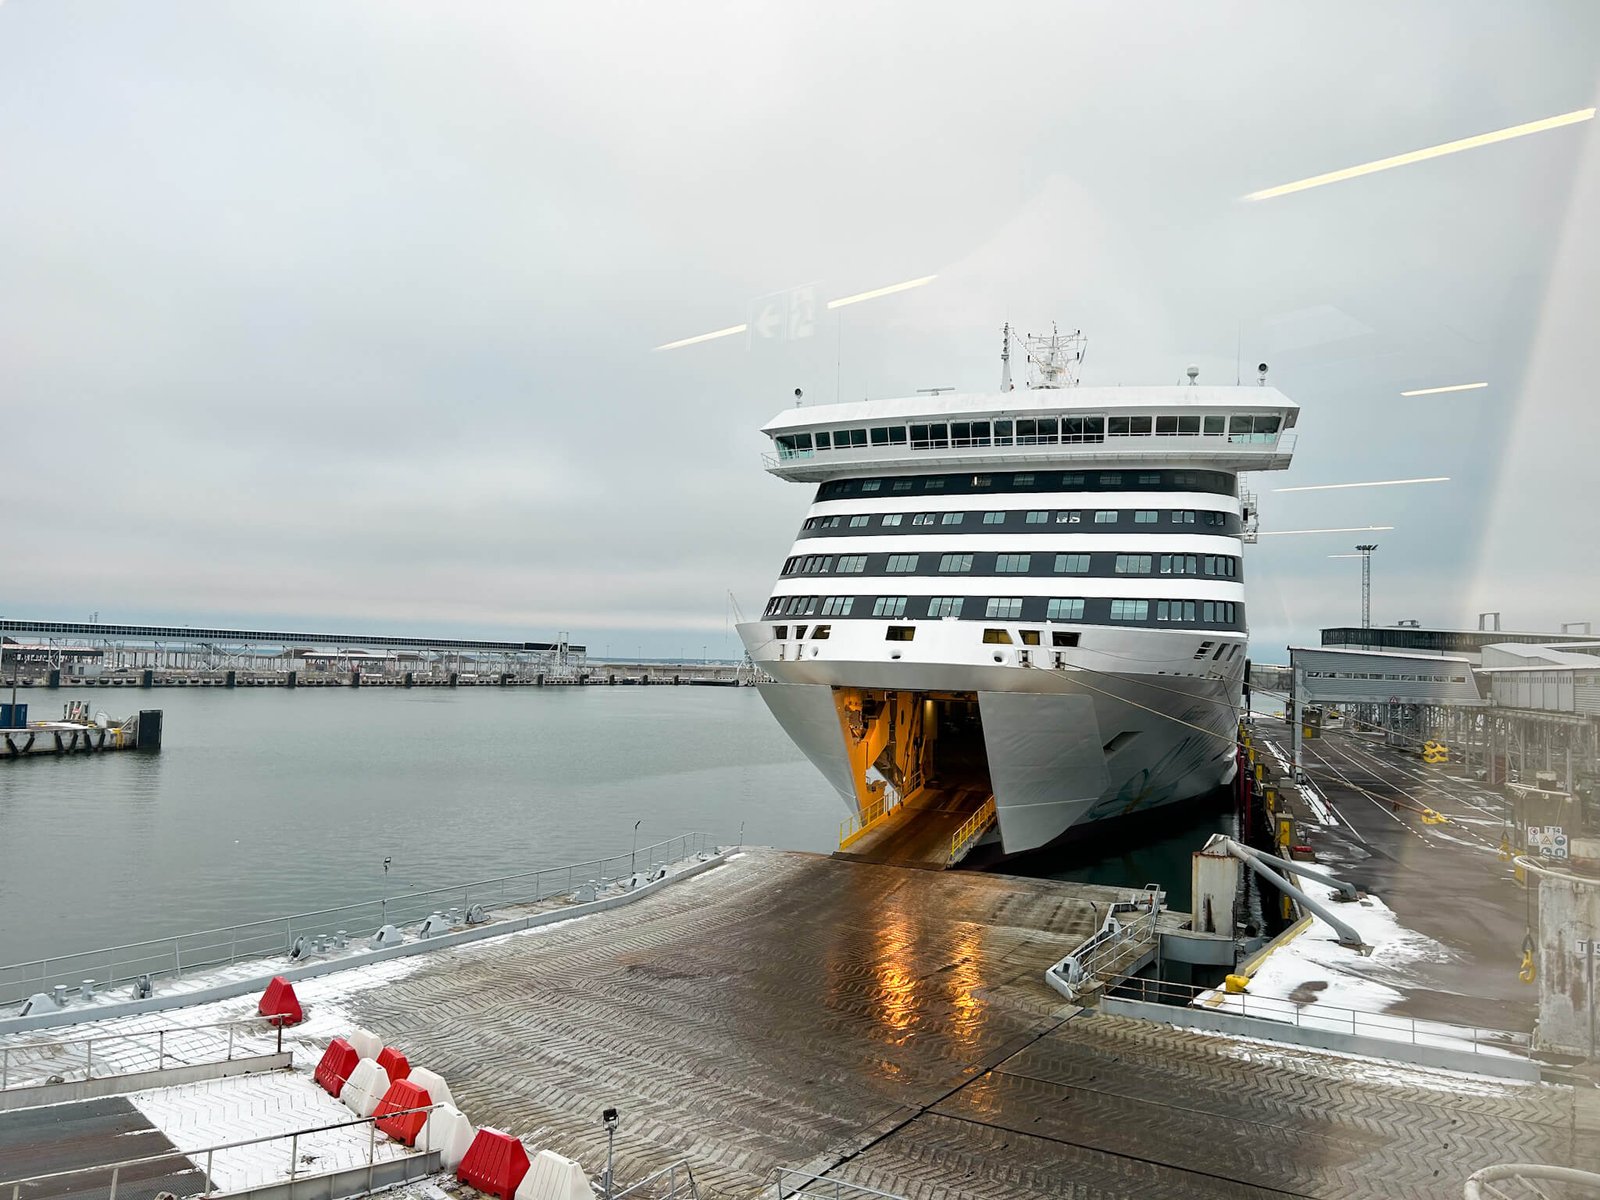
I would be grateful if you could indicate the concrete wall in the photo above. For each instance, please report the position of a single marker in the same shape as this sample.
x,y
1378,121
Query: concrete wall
x,y
118,1085
74,1015
1568,962
1442,1057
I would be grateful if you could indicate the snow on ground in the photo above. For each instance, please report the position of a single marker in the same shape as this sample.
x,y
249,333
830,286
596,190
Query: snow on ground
x,y
1312,981
200,1115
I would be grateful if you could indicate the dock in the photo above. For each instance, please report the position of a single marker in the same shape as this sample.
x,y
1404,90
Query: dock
x,y
889,1028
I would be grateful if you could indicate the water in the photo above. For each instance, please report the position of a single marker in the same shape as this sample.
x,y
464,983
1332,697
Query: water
x,y
265,802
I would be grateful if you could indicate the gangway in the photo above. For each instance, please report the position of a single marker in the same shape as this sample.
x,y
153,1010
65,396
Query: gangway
x,y
934,827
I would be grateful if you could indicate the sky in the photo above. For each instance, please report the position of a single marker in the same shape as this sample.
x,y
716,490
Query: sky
x,y
344,314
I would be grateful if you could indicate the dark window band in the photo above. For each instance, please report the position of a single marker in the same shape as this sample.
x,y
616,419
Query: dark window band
x,y
1060,520
1023,563
1022,482
1137,612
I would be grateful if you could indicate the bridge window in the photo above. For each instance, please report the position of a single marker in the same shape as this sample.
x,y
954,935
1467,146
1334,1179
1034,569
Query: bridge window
x,y
1083,429
1256,427
1128,426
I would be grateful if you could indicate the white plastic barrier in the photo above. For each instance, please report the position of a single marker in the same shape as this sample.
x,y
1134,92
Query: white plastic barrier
x,y
433,1084
365,1087
450,1133
551,1177
367,1043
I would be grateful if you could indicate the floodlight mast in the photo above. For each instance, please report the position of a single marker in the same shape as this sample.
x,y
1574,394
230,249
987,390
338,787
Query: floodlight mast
x,y
1366,584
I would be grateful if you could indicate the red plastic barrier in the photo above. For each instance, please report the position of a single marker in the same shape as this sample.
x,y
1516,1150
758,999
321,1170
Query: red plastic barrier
x,y
338,1060
495,1163
280,1003
402,1095
395,1065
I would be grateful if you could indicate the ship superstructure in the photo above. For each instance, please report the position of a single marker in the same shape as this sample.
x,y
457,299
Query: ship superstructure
x,y
1033,597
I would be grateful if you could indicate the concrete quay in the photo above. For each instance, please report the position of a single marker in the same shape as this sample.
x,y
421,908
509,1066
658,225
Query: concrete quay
x,y
890,1027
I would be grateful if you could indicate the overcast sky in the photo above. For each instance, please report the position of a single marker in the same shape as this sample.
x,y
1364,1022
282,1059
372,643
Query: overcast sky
x,y
343,313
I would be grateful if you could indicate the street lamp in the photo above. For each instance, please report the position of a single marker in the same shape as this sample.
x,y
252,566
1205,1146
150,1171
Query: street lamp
x,y
609,1119
634,853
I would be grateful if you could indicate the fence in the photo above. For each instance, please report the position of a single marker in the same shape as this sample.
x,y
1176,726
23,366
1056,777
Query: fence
x,y
29,1064
213,948
677,1178
349,1147
1329,1018
1105,955
803,1182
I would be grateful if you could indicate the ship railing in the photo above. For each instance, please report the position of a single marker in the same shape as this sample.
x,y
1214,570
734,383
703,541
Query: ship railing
x,y
856,825
1330,1018
299,935
351,1157
1124,937
1174,446
790,1182
26,1064
971,830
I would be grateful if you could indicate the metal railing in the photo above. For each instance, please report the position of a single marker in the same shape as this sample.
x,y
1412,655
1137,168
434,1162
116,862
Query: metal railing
x,y
69,1060
1329,1017
798,1182
678,1178
971,830
242,1164
173,957
853,827
1105,955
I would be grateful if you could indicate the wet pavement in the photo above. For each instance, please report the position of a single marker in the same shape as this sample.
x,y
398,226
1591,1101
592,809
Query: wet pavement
x,y
1446,881
891,1026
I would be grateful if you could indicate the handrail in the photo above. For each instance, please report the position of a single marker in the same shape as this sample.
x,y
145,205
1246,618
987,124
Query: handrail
x,y
855,826
191,1157
670,1171
972,829
180,1035
176,954
838,1188
1086,966
1334,1018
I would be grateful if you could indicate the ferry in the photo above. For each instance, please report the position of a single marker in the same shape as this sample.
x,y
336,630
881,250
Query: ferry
x,y
1021,610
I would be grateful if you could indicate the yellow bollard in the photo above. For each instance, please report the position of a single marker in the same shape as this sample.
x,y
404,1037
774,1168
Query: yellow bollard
x,y
1285,831
1235,983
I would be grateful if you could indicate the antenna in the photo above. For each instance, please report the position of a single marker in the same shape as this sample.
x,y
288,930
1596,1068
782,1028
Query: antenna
x,y
1005,358
1054,358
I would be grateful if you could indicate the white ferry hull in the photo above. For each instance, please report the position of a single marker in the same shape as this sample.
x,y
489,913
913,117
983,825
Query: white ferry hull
x,y
1065,747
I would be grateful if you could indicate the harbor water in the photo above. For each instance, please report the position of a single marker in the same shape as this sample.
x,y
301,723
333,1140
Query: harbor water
x,y
265,802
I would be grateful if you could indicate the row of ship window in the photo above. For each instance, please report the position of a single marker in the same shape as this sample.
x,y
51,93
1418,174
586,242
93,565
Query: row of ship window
x,y
1059,638
1063,608
1030,431
1220,566
1391,678
1036,481
1038,516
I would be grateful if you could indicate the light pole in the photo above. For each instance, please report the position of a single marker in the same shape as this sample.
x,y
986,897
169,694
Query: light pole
x,y
609,1119
1366,584
634,853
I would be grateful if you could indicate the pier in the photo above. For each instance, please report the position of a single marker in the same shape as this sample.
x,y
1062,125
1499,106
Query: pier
x,y
70,654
